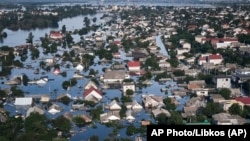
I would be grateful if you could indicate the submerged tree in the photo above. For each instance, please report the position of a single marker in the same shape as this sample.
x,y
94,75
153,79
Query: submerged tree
x,y
30,38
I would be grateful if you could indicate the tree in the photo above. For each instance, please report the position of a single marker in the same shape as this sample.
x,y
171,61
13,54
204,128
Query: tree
x,y
61,123
246,112
25,80
86,21
79,121
95,113
179,73
207,77
175,119
63,29
131,130
65,100
129,92
94,138
11,128
69,39
225,92
94,19
30,38
92,72
64,74
65,84
173,62
122,112
211,109
148,75
125,99
16,91
162,119
246,87
169,105
235,109
220,35
34,53
3,94
42,64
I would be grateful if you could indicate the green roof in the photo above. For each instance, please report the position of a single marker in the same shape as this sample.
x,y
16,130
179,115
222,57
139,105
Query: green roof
x,y
205,122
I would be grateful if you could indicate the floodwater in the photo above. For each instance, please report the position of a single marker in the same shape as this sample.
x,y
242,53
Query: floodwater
x,y
54,87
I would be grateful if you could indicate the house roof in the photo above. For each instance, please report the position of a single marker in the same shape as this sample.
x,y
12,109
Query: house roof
x,y
91,84
133,64
35,109
22,101
88,91
245,100
214,56
56,71
202,59
114,74
56,33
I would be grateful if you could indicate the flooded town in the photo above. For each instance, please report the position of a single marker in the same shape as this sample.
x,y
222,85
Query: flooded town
x,y
96,71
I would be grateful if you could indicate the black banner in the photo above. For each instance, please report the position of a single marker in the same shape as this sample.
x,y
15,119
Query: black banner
x,y
223,132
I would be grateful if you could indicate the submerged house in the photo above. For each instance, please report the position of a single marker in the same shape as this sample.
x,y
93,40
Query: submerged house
x,y
23,102
92,94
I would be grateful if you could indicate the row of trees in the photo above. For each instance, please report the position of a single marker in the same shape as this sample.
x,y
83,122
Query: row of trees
x,y
33,18
33,127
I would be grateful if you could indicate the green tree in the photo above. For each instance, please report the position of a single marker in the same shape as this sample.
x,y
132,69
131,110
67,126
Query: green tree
x,y
42,64
65,84
179,73
122,112
30,38
169,105
11,128
69,39
94,138
225,92
207,77
63,29
3,94
95,113
246,112
129,92
148,75
65,100
211,109
174,62
17,91
34,53
175,119
131,130
79,121
246,87
61,123
162,119
25,80
235,109
125,99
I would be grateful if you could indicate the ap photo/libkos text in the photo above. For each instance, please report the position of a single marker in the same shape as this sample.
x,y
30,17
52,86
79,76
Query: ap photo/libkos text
x,y
224,132
200,132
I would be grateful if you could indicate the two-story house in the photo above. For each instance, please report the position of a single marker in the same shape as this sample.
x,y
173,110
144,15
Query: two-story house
x,y
222,81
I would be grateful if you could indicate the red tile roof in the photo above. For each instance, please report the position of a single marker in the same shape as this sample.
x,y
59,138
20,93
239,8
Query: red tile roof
x,y
202,58
56,33
245,100
214,56
221,39
56,71
88,91
134,64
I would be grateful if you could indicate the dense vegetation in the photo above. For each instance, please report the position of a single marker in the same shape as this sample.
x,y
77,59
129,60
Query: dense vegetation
x,y
34,17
